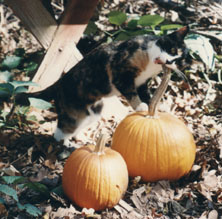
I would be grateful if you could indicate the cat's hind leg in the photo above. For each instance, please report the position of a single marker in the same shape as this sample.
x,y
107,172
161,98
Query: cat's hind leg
x,y
60,135
137,104
66,125
93,115
70,125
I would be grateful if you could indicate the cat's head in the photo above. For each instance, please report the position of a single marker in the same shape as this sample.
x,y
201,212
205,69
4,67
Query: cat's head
x,y
174,53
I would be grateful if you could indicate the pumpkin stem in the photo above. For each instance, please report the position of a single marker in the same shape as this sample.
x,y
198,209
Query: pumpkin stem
x,y
155,100
100,144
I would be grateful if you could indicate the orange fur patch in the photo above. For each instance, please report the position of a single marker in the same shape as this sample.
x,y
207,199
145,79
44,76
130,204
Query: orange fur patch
x,y
140,59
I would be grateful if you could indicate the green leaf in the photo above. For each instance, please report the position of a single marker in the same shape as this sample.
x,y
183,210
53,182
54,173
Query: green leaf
x,y
91,28
123,36
30,209
9,191
6,89
32,118
19,52
2,201
11,62
4,114
39,103
37,187
31,66
13,179
139,32
20,206
58,190
5,76
117,17
150,20
20,90
23,83
170,27
132,24
23,110
2,123
201,46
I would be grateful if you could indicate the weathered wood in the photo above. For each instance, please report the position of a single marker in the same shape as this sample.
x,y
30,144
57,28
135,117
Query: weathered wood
x,y
35,18
47,4
63,54
54,63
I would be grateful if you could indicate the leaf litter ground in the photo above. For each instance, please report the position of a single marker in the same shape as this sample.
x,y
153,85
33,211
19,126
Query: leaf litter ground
x,y
33,153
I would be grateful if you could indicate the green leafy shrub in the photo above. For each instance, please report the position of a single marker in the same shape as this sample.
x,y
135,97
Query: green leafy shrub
x,y
9,88
126,27
12,184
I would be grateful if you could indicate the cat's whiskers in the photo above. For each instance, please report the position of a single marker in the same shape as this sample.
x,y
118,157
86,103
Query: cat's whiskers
x,y
181,74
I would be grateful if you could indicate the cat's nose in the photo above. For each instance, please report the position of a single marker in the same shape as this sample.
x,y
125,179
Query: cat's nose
x,y
158,61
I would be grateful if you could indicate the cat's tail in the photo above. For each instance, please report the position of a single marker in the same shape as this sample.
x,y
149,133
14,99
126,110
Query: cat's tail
x,y
47,94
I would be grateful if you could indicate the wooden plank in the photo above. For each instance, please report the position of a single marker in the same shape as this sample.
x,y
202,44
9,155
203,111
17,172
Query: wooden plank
x,y
63,54
35,18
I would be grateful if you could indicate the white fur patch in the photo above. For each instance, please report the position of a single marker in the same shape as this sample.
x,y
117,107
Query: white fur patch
x,y
142,107
152,69
86,122
59,135
155,52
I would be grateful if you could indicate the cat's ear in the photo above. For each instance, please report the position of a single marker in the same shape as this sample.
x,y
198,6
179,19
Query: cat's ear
x,y
179,34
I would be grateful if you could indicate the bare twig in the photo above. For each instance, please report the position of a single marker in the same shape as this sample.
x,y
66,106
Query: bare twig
x,y
11,113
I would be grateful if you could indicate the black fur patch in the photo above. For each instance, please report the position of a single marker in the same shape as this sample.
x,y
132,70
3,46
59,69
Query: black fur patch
x,y
102,69
97,108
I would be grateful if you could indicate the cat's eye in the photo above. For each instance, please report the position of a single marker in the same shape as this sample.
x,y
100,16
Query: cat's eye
x,y
173,50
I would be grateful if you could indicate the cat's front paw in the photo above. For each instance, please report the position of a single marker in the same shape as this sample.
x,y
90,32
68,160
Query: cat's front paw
x,y
142,107
64,138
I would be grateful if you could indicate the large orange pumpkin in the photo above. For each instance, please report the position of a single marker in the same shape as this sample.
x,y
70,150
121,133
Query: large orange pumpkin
x,y
155,148
95,176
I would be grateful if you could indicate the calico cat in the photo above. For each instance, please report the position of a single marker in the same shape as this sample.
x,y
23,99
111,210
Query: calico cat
x,y
119,67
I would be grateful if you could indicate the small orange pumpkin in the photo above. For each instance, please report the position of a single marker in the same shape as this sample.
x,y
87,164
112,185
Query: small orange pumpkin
x,y
95,176
155,147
